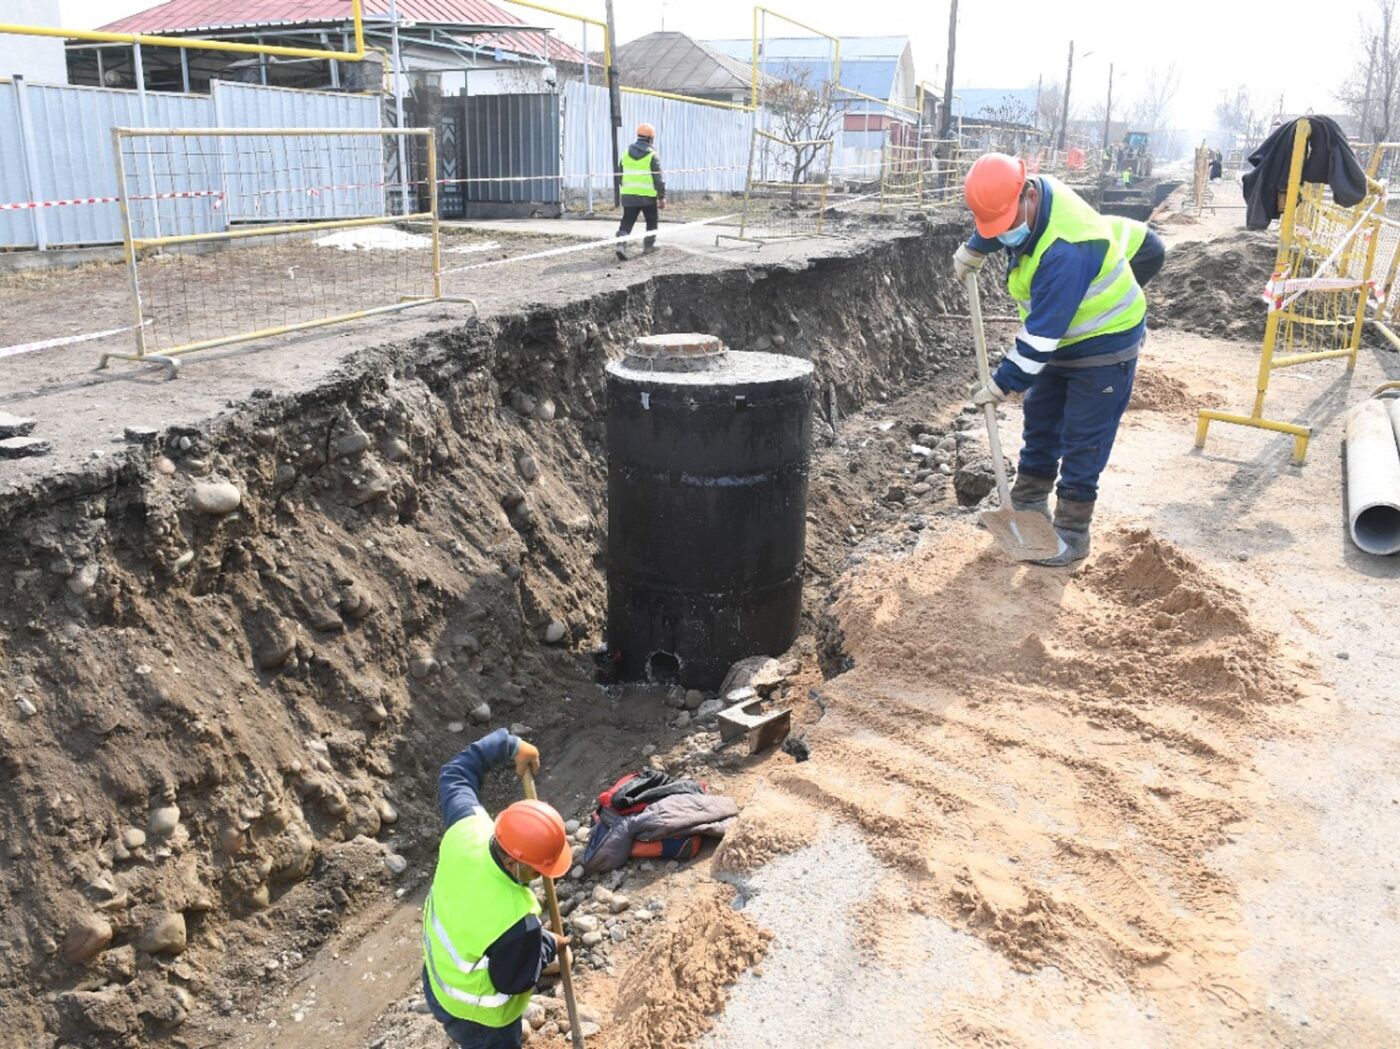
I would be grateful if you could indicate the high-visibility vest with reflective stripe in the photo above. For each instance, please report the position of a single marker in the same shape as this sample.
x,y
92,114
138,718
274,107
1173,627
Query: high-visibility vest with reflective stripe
x,y
1128,233
1113,301
636,175
471,903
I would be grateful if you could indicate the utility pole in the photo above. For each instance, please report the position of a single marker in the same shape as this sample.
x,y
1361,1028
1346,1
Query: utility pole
x,y
614,101
1064,116
946,123
1108,109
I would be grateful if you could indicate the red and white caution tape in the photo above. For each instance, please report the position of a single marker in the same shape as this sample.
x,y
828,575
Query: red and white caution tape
x,y
69,340
174,195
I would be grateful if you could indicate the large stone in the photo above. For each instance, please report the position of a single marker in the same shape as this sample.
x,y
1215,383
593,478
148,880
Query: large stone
x,y
163,820
163,934
15,426
84,579
554,633
481,713
20,447
761,673
87,937
973,480
215,497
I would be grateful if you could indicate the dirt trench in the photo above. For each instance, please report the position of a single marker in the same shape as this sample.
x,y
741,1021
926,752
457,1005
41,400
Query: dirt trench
x,y
234,660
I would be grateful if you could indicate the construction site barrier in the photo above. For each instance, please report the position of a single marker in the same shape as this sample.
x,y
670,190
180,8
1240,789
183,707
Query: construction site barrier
x,y
786,189
1317,294
301,182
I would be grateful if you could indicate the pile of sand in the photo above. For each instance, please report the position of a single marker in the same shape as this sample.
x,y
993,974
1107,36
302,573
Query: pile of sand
x,y
1046,759
671,994
1155,391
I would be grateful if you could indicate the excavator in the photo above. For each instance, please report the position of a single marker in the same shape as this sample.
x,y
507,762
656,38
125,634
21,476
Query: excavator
x,y
1134,155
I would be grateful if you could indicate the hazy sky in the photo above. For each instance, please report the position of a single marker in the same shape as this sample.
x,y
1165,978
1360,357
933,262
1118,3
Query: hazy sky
x,y
1288,48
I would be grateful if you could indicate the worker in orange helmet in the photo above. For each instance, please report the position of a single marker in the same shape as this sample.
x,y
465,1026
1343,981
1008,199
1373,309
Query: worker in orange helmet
x,y
643,190
1082,328
483,945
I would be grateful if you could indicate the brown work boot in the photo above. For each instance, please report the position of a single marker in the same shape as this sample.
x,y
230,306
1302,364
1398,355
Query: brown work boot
x,y
1032,493
1072,520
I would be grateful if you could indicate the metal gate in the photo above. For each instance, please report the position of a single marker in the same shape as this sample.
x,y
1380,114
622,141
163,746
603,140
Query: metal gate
x,y
511,148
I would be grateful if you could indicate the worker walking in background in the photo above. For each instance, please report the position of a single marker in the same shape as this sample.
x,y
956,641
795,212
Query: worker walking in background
x,y
642,187
1083,323
483,945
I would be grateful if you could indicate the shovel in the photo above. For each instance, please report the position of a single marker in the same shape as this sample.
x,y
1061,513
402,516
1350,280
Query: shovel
x,y
1024,534
565,971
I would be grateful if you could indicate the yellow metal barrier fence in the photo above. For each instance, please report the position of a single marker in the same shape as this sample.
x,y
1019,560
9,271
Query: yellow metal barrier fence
x,y
1318,292
786,190
236,234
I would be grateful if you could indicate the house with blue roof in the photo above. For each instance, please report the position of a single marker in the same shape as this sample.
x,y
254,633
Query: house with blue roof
x,y
880,68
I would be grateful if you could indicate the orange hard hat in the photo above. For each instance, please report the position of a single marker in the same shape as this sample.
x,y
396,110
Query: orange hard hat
x,y
992,189
646,131
532,833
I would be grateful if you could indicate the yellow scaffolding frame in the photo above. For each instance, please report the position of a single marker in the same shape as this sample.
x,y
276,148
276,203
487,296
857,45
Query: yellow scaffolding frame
x,y
199,43
132,246
758,11
750,183
1292,239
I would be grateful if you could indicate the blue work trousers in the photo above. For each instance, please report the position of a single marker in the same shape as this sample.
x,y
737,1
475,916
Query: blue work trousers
x,y
1071,418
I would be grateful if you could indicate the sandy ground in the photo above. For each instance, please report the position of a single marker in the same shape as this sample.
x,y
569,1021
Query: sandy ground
x,y
1261,909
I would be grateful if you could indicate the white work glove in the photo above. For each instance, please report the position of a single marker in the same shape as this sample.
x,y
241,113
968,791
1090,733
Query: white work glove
x,y
988,393
966,261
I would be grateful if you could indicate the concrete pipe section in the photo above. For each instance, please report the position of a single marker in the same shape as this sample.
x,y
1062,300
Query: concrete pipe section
x,y
1373,476
707,506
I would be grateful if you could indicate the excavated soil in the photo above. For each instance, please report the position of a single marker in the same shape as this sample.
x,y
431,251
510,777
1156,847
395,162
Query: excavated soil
x,y
1215,287
234,659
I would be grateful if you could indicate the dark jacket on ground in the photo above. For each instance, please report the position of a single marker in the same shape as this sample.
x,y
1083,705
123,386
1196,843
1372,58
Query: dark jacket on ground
x,y
637,150
1329,159
522,951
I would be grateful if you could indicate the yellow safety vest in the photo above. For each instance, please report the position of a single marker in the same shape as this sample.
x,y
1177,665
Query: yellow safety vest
x,y
1113,301
472,902
636,175
1129,233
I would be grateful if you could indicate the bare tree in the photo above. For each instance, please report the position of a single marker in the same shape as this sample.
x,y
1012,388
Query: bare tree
x,y
1241,119
1152,109
806,113
1047,115
1009,110
1372,92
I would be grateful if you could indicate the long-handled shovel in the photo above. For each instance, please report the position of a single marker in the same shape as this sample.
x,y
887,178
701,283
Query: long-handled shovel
x,y
1024,534
554,916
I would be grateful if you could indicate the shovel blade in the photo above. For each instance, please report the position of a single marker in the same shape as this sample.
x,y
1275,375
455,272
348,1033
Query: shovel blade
x,y
1023,534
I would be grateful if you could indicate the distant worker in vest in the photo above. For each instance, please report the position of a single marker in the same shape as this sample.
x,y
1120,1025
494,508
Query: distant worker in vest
x,y
642,187
1082,328
483,945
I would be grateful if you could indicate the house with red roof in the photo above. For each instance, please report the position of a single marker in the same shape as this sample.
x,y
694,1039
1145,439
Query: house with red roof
x,y
449,45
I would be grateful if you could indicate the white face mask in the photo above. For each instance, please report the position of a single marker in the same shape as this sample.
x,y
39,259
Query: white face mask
x,y
1015,237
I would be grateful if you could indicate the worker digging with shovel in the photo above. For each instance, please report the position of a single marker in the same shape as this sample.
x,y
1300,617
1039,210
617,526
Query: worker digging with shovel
x,y
1082,328
483,945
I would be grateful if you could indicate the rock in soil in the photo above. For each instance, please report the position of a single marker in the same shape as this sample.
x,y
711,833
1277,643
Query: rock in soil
x,y
163,934
22,447
15,426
